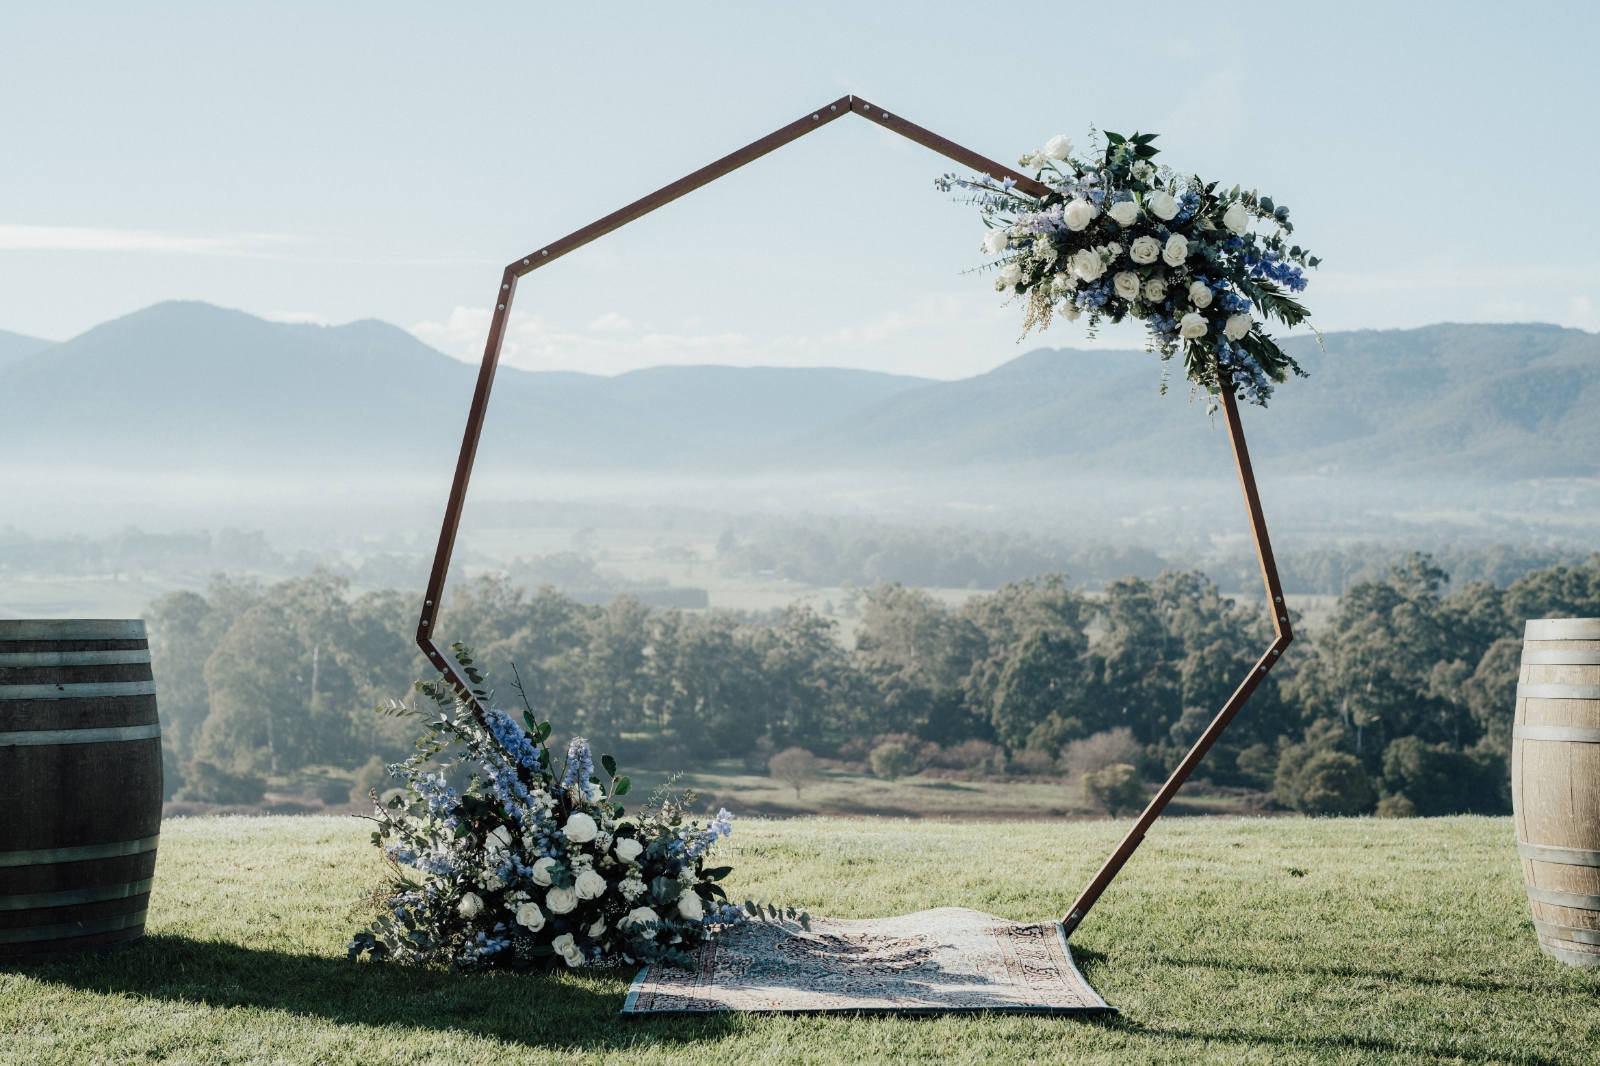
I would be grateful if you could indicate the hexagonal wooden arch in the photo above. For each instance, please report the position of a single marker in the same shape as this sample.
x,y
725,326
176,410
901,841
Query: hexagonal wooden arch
x,y
845,105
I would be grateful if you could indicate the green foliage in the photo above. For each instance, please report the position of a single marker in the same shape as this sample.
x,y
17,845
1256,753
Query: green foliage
x,y
206,782
1321,780
1116,789
1396,806
893,759
372,777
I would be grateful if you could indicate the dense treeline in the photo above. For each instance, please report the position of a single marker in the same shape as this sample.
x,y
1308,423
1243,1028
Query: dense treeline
x,y
1404,700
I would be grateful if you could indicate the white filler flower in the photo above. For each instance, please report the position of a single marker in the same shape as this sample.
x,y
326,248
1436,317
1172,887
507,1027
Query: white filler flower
x,y
1192,325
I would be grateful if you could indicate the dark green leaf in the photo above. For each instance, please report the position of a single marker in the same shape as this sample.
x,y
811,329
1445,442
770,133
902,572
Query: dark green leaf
x,y
623,786
609,765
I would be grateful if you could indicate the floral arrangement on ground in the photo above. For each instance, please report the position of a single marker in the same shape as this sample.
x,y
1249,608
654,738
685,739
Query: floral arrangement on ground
x,y
1118,236
531,865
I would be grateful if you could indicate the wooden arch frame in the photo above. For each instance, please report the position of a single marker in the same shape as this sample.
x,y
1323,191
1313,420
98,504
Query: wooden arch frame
x,y
845,105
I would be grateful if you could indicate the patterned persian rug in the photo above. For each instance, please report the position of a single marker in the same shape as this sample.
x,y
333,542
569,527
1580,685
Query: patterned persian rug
x,y
949,959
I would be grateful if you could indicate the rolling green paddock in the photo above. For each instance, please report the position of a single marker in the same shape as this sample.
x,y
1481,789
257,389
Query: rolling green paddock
x,y
1225,941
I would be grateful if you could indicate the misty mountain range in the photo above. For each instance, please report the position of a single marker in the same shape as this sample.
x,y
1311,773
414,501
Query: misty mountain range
x,y
193,386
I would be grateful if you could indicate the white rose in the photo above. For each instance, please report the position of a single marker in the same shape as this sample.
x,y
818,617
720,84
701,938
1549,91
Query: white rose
x,y
994,242
580,828
1192,325
1086,265
1126,285
1077,215
628,849
1155,290
471,905
561,900
1200,294
1160,203
1176,251
1144,250
1123,212
597,930
498,840
1057,147
530,917
589,885
541,871
690,907
567,948
638,916
1236,218
1236,327
1009,275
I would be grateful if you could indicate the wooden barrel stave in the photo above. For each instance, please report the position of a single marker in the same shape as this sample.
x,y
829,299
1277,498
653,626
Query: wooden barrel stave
x,y
80,780
1555,772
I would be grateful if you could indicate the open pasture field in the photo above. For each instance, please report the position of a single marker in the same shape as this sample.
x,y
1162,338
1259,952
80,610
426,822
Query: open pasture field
x,y
1225,941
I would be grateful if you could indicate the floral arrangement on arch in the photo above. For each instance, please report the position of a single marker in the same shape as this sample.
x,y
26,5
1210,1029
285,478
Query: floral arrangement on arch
x,y
533,864
1119,236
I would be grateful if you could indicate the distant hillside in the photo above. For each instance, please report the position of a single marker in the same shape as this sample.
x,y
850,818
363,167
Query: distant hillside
x,y
196,386
15,346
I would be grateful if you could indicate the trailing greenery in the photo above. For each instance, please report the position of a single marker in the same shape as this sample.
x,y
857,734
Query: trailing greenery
x,y
1355,942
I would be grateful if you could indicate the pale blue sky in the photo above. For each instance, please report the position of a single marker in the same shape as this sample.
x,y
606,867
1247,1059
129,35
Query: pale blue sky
x,y
329,162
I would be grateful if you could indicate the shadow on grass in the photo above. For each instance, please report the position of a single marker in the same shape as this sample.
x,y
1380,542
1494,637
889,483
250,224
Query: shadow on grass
x,y
1342,1046
574,1010
1365,973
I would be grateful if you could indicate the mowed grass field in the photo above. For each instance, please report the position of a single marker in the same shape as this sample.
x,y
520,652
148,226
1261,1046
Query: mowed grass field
x,y
1226,940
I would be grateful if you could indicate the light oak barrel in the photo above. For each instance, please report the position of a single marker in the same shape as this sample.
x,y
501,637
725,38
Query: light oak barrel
x,y
80,785
1555,784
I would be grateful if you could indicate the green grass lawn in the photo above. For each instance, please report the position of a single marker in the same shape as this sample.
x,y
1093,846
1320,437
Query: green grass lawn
x,y
1224,941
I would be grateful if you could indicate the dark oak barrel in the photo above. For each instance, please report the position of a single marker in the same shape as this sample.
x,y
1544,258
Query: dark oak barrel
x,y
1555,784
80,784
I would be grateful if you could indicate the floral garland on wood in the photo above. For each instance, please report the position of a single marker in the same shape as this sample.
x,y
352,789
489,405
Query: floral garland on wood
x,y
531,865
1121,237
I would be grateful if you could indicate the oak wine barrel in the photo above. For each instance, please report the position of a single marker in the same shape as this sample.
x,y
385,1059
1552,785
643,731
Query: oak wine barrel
x,y
1555,784
80,785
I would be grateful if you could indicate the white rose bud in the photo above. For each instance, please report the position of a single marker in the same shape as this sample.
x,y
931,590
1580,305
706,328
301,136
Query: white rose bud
x,y
1086,265
530,917
1009,275
1192,326
1155,290
1068,310
690,907
994,242
541,871
561,900
1077,215
498,840
1236,218
1123,212
597,930
1037,161
471,905
1126,285
1160,203
589,885
628,849
580,828
567,947
1199,294
638,916
1144,250
1236,327
1057,147
1176,251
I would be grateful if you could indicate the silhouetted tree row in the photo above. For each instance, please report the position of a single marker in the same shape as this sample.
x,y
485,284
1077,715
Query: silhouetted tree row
x,y
1403,703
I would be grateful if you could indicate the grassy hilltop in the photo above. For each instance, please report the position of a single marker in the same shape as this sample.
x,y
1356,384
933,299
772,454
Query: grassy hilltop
x,y
1225,941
